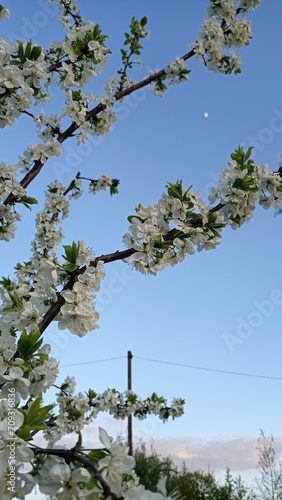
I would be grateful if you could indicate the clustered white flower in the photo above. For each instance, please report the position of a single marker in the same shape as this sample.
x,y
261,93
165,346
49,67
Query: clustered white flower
x,y
8,214
78,313
70,8
116,463
240,186
175,72
50,126
49,232
64,481
76,411
150,226
27,297
19,85
101,184
41,152
36,380
223,30
77,108
22,84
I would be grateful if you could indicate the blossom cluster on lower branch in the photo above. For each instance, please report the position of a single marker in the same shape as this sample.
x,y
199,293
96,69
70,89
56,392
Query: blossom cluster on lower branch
x,y
75,411
55,469
73,474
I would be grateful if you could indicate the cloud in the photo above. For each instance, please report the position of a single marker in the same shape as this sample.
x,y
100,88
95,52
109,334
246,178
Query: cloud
x,y
239,454
217,454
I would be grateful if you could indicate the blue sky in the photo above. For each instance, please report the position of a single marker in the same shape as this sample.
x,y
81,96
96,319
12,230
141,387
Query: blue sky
x,y
183,315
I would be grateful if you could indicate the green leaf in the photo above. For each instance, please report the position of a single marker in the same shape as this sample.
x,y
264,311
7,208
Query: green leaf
x,y
20,51
27,200
216,233
182,235
36,416
96,455
113,187
71,267
175,190
212,217
35,53
79,47
76,95
130,217
24,432
28,50
71,253
162,245
248,154
17,301
80,44
143,21
91,394
29,343
41,356
25,367
6,283
15,63
236,219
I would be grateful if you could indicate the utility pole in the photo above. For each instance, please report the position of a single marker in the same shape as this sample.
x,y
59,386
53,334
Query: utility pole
x,y
129,381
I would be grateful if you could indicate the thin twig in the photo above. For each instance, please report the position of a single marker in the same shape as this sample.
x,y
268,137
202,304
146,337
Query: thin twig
x,y
69,11
123,75
26,113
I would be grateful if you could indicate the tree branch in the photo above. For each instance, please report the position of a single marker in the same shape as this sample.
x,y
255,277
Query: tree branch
x,y
72,455
92,114
52,312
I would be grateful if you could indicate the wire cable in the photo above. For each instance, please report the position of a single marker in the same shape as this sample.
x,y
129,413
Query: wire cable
x,y
91,362
242,374
192,367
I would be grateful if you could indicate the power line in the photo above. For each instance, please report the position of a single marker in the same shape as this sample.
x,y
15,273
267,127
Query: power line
x,y
242,374
193,367
91,362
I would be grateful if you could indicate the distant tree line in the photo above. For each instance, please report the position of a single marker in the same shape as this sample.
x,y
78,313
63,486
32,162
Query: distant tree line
x,y
199,485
